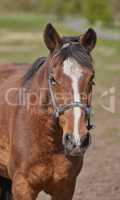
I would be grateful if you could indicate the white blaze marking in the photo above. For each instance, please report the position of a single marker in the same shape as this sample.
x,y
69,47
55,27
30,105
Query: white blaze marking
x,y
73,70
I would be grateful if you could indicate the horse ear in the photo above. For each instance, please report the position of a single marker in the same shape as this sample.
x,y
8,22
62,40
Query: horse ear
x,y
51,37
88,40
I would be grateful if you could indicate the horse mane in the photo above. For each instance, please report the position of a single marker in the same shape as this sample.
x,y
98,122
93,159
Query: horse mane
x,y
70,48
33,69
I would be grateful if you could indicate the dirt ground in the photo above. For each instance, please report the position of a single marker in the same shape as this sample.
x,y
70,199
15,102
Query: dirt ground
x,y
100,176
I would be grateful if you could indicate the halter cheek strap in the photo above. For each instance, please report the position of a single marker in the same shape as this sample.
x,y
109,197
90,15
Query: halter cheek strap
x,y
54,104
88,117
59,110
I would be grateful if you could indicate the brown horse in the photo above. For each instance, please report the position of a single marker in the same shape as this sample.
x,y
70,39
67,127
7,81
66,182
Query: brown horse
x,y
45,118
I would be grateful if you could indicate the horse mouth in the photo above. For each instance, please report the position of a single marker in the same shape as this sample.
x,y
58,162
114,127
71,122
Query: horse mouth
x,y
77,150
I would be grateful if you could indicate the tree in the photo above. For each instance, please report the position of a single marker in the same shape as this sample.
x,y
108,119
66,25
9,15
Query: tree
x,y
63,7
116,10
95,10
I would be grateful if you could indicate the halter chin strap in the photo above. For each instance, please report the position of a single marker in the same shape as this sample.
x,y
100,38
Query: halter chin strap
x,y
59,110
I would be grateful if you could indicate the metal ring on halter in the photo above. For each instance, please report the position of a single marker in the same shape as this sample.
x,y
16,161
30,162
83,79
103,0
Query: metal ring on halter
x,y
59,110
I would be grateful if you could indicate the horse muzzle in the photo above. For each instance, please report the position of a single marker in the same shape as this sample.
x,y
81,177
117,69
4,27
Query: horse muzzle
x,y
76,149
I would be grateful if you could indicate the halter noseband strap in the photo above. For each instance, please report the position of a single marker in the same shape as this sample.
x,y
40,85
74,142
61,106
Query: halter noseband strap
x,y
59,110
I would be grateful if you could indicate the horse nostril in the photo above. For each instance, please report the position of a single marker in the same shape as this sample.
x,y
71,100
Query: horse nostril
x,y
74,146
67,138
85,140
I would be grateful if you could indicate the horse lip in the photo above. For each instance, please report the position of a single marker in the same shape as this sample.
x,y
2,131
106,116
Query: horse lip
x,y
74,155
79,153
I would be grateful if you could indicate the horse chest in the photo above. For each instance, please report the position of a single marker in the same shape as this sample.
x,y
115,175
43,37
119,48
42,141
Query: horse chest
x,y
65,169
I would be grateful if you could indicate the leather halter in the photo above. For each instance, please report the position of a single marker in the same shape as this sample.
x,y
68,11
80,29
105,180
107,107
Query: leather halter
x,y
59,110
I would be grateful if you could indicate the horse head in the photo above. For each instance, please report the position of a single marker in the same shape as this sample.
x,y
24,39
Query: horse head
x,y
70,79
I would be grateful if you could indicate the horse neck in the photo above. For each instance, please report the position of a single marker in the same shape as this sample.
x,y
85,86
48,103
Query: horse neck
x,y
39,87
40,111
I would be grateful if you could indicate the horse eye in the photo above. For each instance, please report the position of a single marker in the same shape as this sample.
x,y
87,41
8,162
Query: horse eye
x,y
93,83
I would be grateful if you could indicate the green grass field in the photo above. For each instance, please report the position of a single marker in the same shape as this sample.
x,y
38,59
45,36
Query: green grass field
x,y
21,37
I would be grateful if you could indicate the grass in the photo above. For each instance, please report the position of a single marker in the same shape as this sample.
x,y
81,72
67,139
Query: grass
x,y
22,22
21,36
29,22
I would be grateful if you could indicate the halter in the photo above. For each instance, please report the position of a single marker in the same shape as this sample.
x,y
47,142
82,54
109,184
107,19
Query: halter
x,y
59,110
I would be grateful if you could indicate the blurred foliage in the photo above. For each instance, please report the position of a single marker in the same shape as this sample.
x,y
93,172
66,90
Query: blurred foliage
x,y
63,8
115,4
93,10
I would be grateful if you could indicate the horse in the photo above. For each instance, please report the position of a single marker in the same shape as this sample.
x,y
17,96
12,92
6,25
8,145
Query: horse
x,y
45,118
